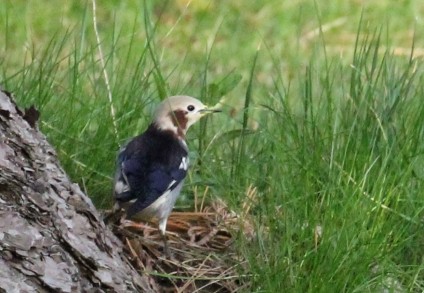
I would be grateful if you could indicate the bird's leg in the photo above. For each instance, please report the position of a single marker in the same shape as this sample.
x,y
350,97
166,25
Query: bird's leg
x,y
165,245
162,230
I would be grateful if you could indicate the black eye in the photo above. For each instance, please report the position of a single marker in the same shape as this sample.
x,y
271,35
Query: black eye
x,y
190,108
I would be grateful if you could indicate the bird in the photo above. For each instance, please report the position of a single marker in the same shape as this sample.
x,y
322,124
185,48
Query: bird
x,y
151,167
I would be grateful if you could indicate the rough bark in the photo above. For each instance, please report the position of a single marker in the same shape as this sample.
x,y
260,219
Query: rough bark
x,y
52,238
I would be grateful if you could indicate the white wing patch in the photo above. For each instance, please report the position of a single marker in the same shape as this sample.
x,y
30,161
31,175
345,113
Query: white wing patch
x,y
122,186
184,163
170,184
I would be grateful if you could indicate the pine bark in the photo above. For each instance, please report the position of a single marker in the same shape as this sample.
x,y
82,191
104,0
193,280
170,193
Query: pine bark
x,y
52,239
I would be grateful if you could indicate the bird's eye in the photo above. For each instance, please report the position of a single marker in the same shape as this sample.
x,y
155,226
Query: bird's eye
x,y
190,108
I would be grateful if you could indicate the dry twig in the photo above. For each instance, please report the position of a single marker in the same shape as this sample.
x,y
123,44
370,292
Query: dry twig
x,y
202,260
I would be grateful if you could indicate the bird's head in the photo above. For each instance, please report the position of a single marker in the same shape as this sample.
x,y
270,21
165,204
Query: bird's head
x,y
178,113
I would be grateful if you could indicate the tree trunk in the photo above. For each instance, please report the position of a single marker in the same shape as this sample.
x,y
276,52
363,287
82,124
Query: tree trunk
x,y
52,239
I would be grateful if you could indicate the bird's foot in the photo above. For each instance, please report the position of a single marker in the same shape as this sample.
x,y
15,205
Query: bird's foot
x,y
166,250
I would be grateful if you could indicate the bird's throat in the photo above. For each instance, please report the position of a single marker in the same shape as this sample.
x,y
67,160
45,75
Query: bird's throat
x,y
179,120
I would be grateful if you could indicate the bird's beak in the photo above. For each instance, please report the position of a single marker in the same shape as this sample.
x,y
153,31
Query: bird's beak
x,y
207,110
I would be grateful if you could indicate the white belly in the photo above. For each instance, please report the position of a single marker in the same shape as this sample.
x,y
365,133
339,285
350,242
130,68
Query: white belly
x,y
160,208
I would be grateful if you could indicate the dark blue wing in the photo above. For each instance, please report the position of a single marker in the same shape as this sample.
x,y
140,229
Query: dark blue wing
x,y
147,167
159,181
161,178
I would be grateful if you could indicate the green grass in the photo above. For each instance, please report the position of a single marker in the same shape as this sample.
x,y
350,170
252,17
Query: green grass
x,y
323,116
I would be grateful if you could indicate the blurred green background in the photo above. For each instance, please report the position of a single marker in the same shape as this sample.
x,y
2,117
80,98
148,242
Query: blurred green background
x,y
323,118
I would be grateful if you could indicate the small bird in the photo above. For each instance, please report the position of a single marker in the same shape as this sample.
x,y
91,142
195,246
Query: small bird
x,y
151,168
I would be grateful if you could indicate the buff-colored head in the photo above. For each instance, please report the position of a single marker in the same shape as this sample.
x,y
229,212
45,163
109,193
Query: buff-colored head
x,y
178,113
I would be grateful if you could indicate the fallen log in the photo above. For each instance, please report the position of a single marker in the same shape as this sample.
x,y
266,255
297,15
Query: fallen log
x,y
52,239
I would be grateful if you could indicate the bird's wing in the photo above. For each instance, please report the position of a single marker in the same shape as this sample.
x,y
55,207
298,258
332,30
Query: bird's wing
x,y
141,180
160,179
